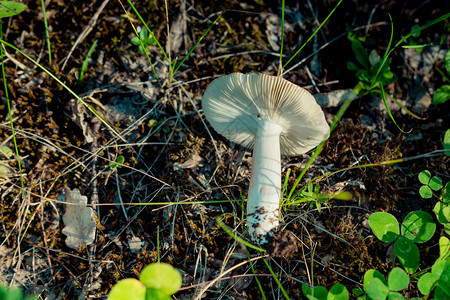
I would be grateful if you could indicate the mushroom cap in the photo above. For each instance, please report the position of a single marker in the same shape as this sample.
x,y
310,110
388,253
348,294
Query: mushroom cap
x,y
235,104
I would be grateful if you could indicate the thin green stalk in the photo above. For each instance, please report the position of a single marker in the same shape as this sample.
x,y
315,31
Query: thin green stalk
x,y
86,61
315,32
383,96
280,68
256,277
157,242
276,279
356,91
386,53
406,109
201,38
47,34
68,89
142,44
234,236
5,86
149,31
418,29
321,146
371,165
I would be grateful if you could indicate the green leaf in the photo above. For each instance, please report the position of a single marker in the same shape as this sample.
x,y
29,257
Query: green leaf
x,y
363,75
442,270
442,212
376,289
407,253
388,75
447,142
442,94
424,177
447,61
135,40
427,282
5,151
398,280
374,58
425,192
395,296
370,275
161,276
120,159
143,34
317,293
150,41
11,8
156,294
447,228
127,289
338,292
436,183
444,249
10,293
418,226
358,291
446,193
385,226
352,66
360,53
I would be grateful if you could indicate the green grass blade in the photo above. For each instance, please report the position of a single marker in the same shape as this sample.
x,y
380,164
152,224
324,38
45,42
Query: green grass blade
x,y
68,89
5,86
141,42
315,32
276,279
286,180
149,31
383,96
47,35
280,68
256,277
199,40
418,29
319,148
86,61
386,54
234,236
406,110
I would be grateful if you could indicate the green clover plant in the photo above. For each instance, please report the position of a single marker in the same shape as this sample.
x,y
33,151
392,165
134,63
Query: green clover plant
x,y
312,194
438,280
337,292
377,287
442,207
157,281
368,67
417,227
143,40
116,164
430,184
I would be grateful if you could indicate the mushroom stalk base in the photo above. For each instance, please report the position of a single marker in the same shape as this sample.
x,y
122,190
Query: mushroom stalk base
x,y
265,190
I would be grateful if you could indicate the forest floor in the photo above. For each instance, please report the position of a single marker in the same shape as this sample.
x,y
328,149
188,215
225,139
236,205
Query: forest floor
x,y
156,188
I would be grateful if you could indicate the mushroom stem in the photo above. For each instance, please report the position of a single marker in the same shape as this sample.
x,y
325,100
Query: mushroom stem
x,y
265,191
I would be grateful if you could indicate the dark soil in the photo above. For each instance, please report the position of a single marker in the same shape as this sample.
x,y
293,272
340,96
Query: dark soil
x,y
176,163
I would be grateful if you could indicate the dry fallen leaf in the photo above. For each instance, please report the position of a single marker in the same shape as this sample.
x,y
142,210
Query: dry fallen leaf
x,y
79,220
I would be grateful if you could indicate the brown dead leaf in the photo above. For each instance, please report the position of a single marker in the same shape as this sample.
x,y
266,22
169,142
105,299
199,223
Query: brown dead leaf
x,y
79,221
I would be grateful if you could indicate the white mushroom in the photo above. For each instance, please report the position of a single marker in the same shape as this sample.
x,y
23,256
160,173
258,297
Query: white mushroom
x,y
273,116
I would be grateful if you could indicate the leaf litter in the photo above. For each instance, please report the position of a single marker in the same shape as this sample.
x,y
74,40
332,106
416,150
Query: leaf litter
x,y
192,169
